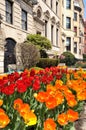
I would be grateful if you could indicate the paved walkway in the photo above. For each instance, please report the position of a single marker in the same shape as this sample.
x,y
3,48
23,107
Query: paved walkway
x,y
81,123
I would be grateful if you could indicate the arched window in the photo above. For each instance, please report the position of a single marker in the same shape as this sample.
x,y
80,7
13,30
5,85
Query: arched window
x,y
9,53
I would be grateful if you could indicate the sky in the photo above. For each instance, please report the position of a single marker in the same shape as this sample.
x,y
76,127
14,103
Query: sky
x,y
85,8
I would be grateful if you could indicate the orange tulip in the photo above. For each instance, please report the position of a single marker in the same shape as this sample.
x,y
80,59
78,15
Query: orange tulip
x,y
62,119
17,104
41,96
72,115
30,118
4,120
25,108
1,102
49,124
51,103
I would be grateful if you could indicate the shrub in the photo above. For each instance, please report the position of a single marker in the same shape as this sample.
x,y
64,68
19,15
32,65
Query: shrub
x,y
39,40
46,62
80,64
43,54
69,58
29,55
84,57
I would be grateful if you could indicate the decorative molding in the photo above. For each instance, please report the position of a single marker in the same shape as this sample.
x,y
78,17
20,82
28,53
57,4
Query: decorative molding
x,y
47,14
53,20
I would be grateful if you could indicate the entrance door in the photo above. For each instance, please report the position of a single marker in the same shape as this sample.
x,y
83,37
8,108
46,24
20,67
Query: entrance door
x,y
9,54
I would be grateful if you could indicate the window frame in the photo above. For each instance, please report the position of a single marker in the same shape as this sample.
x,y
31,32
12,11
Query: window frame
x,y
68,47
24,20
68,4
52,30
75,47
9,11
75,16
68,23
46,22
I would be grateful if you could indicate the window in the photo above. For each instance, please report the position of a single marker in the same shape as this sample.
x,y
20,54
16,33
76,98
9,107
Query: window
x,y
63,20
51,4
68,43
75,31
24,19
9,12
75,47
68,4
56,36
79,51
75,16
68,22
45,28
56,7
63,3
52,34
79,39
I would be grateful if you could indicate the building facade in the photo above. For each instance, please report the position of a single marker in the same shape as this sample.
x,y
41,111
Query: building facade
x,y
16,21
85,36
47,16
61,21
73,27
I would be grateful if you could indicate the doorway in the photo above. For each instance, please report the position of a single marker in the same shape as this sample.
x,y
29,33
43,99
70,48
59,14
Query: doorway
x,y
9,53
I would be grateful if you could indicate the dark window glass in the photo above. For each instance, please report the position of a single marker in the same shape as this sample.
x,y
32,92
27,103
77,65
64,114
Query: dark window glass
x,y
45,28
63,20
75,31
68,4
75,47
24,20
68,43
57,36
9,11
56,7
68,22
75,16
51,4
52,34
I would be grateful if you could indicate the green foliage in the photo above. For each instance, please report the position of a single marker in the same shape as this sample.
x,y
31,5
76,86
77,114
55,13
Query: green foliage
x,y
43,54
69,58
46,62
39,40
29,55
80,64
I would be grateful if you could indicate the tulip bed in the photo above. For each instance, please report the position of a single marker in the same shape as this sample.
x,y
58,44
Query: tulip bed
x,y
48,99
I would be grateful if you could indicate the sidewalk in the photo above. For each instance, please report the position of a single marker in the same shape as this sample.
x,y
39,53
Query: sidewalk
x,y
81,123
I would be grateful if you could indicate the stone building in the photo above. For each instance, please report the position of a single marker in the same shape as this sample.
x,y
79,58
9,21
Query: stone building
x,y
47,16
73,27
85,36
16,22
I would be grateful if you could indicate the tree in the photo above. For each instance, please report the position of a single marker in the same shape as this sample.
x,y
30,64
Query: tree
x,y
40,41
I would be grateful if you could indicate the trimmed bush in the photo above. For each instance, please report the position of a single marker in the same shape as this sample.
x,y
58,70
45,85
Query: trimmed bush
x,y
29,55
84,57
46,62
69,58
40,41
43,54
80,64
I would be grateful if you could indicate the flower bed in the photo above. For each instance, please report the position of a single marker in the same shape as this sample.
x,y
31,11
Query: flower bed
x,y
48,99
